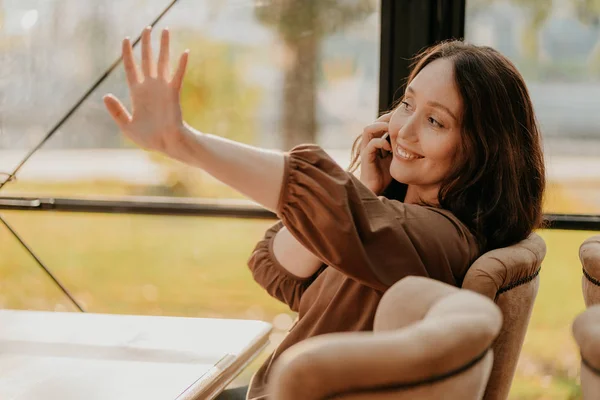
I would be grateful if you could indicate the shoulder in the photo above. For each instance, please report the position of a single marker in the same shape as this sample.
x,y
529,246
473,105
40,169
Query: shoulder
x,y
435,230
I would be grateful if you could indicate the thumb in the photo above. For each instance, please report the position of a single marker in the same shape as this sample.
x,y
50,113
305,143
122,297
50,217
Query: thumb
x,y
117,111
383,146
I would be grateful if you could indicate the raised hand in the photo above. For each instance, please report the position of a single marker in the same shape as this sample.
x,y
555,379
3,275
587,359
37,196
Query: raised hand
x,y
155,121
375,155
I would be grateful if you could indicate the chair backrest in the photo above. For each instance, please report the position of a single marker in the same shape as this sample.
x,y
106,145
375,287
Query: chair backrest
x,y
430,341
589,254
586,330
510,277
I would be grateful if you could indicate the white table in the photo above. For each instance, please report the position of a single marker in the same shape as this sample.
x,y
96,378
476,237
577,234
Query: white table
x,y
52,355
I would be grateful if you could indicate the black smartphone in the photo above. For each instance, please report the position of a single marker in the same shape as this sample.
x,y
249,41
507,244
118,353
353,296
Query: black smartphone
x,y
384,153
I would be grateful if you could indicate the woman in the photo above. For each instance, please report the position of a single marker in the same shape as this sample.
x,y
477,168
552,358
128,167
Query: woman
x,y
463,173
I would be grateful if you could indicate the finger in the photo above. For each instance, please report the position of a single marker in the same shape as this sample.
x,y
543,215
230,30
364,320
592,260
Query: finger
x,y
379,143
148,67
131,71
385,117
378,147
117,111
163,56
178,77
376,129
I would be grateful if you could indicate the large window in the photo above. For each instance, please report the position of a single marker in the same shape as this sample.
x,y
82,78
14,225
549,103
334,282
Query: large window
x,y
556,46
272,73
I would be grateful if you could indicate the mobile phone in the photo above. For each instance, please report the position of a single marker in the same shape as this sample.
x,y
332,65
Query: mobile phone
x,y
384,153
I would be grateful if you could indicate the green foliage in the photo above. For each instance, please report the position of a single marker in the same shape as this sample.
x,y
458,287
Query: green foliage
x,y
302,25
292,18
216,95
216,98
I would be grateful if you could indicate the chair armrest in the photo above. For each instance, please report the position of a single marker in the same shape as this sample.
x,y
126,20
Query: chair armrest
x,y
456,332
589,254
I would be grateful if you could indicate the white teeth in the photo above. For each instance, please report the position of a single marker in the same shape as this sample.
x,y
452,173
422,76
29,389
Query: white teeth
x,y
400,152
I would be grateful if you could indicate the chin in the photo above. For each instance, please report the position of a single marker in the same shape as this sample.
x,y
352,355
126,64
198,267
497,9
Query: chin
x,y
403,176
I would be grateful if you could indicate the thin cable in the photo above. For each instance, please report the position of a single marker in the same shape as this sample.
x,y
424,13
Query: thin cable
x,y
80,101
41,264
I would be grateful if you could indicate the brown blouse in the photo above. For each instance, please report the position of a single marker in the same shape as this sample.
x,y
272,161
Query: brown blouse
x,y
366,243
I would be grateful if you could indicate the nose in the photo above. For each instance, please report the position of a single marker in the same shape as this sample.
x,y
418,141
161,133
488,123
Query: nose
x,y
408,131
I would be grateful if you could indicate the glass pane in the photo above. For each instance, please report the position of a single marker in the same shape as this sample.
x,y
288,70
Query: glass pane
x,y
24,284
556,46
549,363
184,266
149,265
274,74
51,52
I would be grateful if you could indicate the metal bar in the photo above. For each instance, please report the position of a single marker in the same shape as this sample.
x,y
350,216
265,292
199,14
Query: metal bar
x,y
41,264
405,31
141,205
448,20
214,208
573,222
408,27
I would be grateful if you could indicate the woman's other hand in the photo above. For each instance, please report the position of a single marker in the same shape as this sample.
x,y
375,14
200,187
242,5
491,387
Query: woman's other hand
x,y
376,156
156,120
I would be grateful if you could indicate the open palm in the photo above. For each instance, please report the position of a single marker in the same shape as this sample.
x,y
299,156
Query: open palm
x,y
156,117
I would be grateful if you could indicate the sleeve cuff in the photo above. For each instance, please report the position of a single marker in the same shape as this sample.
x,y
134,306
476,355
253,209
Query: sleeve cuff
x,y
284,185
280,267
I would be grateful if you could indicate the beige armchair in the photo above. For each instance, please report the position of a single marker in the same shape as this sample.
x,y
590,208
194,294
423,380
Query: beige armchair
x,y
589,254
586,330
430,341
509,276
586,327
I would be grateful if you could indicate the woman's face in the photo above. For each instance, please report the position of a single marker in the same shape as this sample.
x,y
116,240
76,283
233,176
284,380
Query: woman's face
x,y
425,131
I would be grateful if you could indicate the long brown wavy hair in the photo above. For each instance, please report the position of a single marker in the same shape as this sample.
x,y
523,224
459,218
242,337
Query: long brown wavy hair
x,y
496,187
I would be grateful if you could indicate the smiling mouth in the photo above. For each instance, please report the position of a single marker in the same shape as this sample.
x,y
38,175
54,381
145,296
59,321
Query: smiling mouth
x,y
404,154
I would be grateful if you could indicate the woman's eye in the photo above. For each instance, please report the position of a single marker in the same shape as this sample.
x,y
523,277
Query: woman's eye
x,y
435,123
405,105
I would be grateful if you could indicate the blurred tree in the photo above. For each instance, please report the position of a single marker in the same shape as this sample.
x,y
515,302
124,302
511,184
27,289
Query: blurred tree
x,y
215,98
302,25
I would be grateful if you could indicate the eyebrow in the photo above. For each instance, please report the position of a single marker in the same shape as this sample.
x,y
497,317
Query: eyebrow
x,y
435,104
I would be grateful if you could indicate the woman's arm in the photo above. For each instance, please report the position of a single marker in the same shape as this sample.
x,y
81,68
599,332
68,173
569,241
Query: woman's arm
x,y
293,256
156,124
272,276
257,174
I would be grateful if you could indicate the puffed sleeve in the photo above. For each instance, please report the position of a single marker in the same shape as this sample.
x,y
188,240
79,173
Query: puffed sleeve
x,y
273,277
371,239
